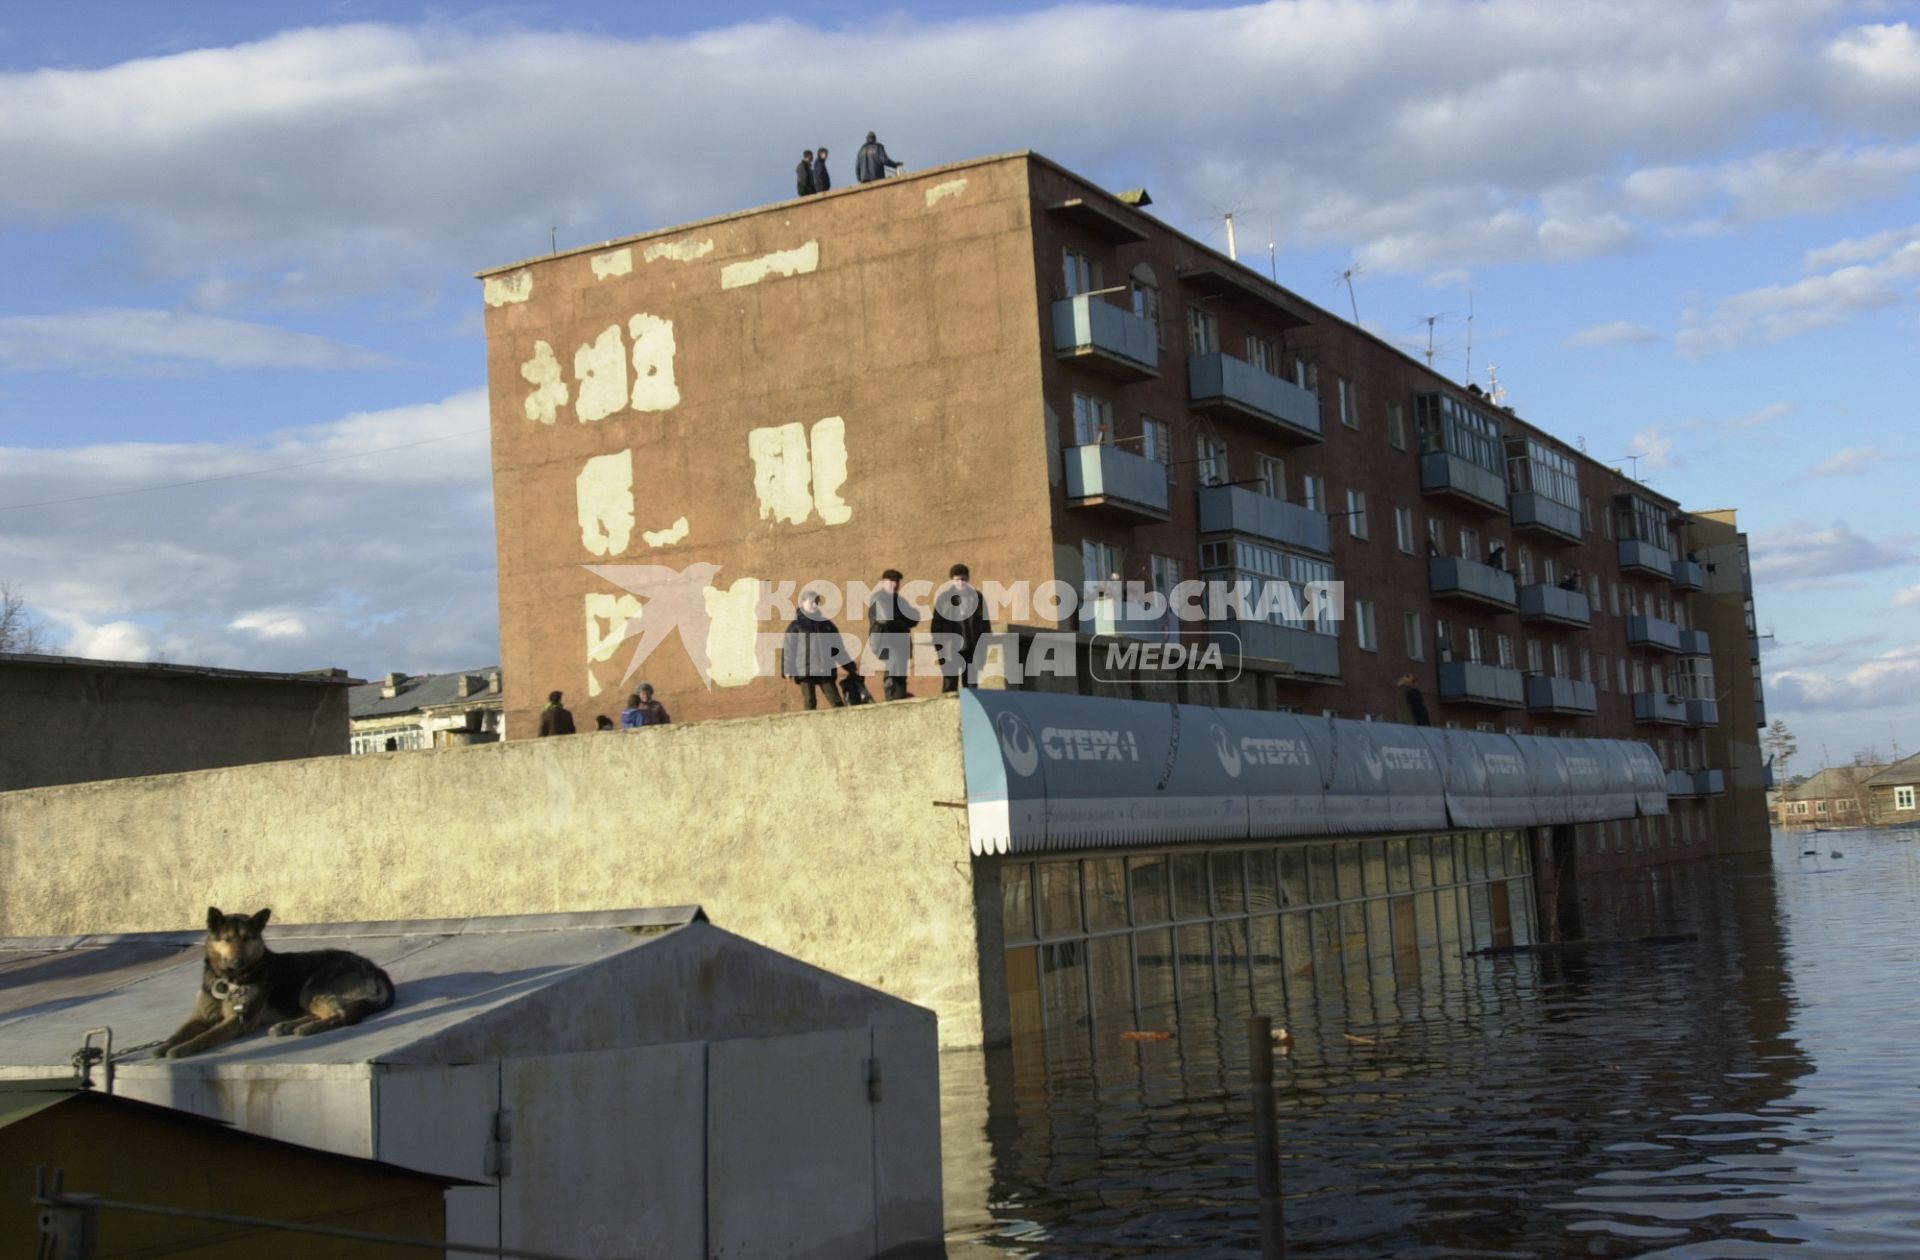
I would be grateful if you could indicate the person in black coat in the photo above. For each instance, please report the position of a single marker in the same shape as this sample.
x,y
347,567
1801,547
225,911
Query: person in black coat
x,y
959,623
871,162
821,180
891,638
803,175
812,652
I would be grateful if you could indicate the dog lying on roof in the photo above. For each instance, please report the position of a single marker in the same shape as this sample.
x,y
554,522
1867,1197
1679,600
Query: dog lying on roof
x,y
243,984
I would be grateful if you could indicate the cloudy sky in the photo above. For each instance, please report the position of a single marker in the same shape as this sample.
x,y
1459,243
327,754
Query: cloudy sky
x,y
239,239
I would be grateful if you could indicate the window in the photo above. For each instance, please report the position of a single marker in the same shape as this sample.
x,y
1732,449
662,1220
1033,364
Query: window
x,y
1164,573
1146,305
1613,598
1397,426
1473,643
1559,660
1092,420
1433,538
1549,571
1363,626
1156,442
1586,665
1620,672
1212,461
1273,476
1349,404
1443,638
1533,656
1083,274
1469,543
1357,513
1403,528
1586,511
1313,493
1903,798
1639,676
1101,561
1447,424
1535,467
1819,807
1526,567
1416,646
1503,650
1203,332
1260,354
1306,375
1606,677
1593,591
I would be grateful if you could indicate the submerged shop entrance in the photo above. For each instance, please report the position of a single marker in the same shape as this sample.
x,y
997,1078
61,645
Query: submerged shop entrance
x,y
1134,939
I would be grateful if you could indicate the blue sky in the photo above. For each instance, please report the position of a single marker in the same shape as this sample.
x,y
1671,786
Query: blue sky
x,y
239,237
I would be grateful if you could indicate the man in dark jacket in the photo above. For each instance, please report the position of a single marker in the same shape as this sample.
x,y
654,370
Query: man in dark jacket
x,y
872,161
891,638
821,180
803,175
652,712
555,720
959,623
811,652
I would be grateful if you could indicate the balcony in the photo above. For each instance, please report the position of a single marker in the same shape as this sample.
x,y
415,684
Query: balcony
x,y
1554,605
1644,557
1658,706
1653,632
1444,473
1476,682
1695,643
1759,711
1682,783
1703,713
1225,385
1536,513
1115,482
1710,782
1306,652
1118,618
1456,577
1107,337
1689,575
1753,649
1560,695
1238,510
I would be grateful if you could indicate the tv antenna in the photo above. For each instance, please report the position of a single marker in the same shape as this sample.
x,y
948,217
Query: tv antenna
x,y
1226,213
1469,336
1496,392
1346,278
1430,321
1273,268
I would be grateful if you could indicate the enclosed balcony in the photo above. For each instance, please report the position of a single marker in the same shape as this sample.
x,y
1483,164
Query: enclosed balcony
x,y
1112,481
1238,510
1710,782
1655,633
1689,575
1456,577
1224,385
1536,514
1476,682
1644,557
1759,711
1109,338
1560,695
1682,783
1659,707
1305,652
1753,648
1703,713
1554,605
1695,643
1467,483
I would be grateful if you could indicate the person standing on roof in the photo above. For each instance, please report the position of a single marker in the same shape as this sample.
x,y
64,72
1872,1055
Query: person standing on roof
x,y
821,180
803,175
555,719
872,162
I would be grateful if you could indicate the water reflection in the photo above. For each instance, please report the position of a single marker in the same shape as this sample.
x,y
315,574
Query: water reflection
x,y
1747,1092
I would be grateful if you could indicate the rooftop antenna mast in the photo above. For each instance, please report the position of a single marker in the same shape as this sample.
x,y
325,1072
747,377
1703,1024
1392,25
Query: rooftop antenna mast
x,y
1469,336
1430,321
1346,278
1273,268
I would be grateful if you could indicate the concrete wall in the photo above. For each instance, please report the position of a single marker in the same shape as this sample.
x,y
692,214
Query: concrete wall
x,y
72,724
819,835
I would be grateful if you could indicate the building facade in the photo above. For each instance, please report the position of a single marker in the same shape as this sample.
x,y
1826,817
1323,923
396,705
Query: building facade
x,y
1839,796
1893,794
998,363
403,712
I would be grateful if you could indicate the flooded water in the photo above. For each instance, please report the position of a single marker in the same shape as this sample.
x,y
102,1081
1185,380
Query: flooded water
x,y
1749,1090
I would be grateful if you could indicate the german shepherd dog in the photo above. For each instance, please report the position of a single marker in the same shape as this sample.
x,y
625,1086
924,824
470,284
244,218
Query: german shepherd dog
x,y
243,983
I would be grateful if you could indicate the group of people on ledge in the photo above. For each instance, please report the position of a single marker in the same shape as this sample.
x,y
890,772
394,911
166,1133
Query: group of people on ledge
x,y
642,710
869,164
815,655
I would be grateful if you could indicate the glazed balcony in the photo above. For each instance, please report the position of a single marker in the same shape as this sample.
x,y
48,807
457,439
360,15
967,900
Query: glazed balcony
x,y
1645,558
1238,510
1695,643
1108,338
1476,682
1460,479
1659,707
1703,713
1456,577
1535,513
1759,711
1689,575
1224,385
1554,605
1112,481
1305,652
1682,783
1655,633
1560,695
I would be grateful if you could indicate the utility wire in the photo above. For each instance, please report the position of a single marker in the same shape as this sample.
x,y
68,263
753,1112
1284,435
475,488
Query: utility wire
x,y
256,472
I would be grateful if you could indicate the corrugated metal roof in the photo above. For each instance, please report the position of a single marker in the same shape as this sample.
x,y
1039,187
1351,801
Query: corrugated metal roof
x,y
422,691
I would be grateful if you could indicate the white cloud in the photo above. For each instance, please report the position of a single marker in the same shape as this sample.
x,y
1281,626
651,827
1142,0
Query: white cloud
x,y
1909,598
1847,461
117,339
1654,448
1859,249
1812,180
1800,553
382,560
1776,312
1619,333
1887,680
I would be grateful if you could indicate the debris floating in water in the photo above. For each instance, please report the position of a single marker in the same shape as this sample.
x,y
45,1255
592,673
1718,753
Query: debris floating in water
x,y
1146,1035
1360,1041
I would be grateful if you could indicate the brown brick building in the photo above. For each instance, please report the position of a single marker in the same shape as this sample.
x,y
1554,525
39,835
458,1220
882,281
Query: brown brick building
x,y
997,362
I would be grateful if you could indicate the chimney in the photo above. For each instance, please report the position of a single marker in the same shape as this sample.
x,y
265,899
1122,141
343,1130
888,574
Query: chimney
x,y
493,682
467,685
390,687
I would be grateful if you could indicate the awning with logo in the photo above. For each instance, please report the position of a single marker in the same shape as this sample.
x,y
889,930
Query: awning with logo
x,y
1068,772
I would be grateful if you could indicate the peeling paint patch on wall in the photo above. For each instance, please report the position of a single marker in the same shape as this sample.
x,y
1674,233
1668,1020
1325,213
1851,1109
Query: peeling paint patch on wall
x,y
786,262
603,496
685,250
830,470
610,618
515,286
733,633
782,472
654,388
601,369
618,262
665,537
952,188
549,394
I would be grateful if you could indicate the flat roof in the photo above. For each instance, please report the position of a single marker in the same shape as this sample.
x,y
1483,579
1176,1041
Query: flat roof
x,y
316,678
